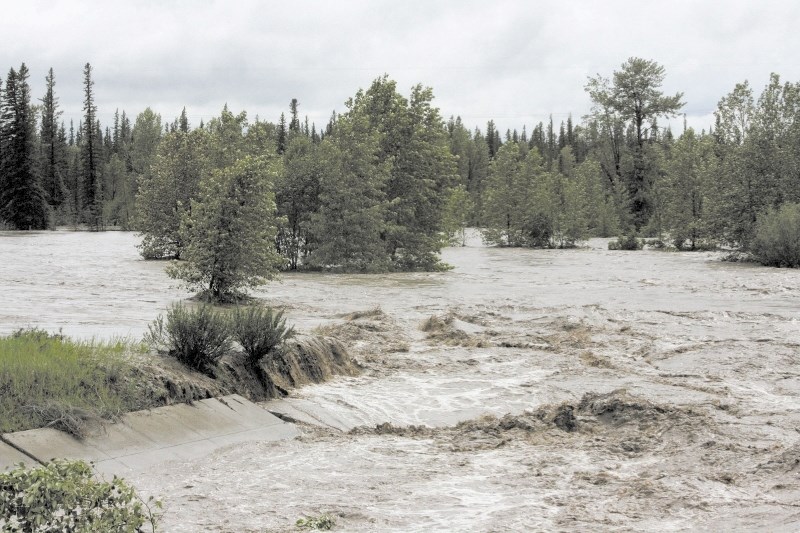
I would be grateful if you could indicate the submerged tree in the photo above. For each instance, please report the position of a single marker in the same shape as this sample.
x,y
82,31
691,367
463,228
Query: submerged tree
x,y
413,142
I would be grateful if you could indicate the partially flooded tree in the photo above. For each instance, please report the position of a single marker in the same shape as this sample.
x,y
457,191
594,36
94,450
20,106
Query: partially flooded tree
x,y
165,198
350,219
231,231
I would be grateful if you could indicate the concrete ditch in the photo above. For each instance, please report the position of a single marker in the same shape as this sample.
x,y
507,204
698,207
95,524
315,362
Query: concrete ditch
x,y
145,438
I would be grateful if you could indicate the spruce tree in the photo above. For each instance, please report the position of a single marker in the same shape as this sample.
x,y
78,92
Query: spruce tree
x,y
90,157
294,125
183,122
53,156
23,203
282,134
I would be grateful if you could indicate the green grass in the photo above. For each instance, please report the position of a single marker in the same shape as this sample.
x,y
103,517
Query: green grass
x,y
49,380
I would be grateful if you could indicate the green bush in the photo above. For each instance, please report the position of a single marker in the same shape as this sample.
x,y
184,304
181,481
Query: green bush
x,y
776,241
64,496
49,380
259,329
323,522
196,337
626,242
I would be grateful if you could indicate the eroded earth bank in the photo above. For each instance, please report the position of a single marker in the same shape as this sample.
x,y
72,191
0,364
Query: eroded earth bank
x,y
526,391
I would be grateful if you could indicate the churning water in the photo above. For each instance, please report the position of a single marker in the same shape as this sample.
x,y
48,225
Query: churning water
x,y
562,390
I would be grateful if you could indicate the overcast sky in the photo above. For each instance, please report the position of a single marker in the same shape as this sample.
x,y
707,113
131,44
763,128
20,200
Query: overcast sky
x,y
516,62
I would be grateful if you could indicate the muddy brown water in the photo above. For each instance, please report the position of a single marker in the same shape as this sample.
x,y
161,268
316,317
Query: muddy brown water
x,y
568,390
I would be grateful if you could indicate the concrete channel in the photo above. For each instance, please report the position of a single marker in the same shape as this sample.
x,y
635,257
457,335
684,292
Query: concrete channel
x,y
145,438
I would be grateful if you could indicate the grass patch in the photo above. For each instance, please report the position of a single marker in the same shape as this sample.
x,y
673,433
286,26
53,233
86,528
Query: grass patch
x,y
48,380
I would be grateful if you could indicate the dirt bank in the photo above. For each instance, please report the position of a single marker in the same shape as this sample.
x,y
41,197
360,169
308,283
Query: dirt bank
x,y
302,360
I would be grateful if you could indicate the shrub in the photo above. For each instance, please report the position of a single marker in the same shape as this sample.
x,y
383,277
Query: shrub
x,y
64,496
196,337
626,242
259,329
776,241
323,522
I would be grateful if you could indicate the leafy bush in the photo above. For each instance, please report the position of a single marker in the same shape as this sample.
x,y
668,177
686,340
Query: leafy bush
x,y
259,329
49,380
64,496
196,337
323,522
777,237
626,242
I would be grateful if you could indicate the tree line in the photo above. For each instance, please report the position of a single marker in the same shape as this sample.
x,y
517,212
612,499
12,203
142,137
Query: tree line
x,y
388,182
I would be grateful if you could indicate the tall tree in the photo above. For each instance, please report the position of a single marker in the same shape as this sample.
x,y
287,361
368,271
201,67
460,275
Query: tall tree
x,y
633,99
413,140
165,199
90,156
689,185
294,124
22,199
281,140
297,197
53,156
350,219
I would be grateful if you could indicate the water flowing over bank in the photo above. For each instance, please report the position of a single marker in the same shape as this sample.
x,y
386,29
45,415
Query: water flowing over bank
x,y
552,390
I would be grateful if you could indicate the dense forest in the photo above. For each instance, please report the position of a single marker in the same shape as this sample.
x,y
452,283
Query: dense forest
x,y
386,184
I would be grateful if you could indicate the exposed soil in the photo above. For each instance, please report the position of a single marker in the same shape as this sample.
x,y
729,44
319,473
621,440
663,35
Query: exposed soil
x,y
304,359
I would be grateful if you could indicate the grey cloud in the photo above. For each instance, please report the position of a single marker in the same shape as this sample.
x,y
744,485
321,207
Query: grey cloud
x,y
516,62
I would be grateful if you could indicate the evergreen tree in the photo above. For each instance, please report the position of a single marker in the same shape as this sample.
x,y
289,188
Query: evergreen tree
x,y
282,134
183,122
53,150
23,202
294,124
90,157
492,139
477,177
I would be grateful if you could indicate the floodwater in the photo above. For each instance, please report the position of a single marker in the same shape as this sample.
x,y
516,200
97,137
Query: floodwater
x,y
563,390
